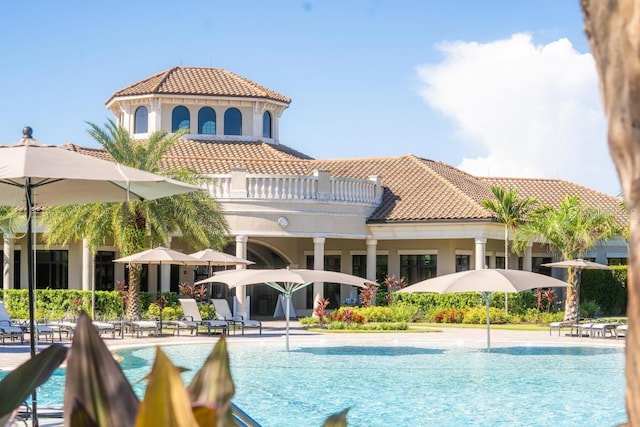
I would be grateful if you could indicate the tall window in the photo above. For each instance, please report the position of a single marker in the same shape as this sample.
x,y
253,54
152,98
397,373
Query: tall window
x,y
537,267
418,267
180,119
359,265
232,122
52,269
462,263
266,124
16,269
382,268
499,262
104,277
141,121
207,121
331,290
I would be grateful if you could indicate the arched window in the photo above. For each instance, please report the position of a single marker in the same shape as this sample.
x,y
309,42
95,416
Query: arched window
x,y
266,124
180,119
232,122
141,120
207,121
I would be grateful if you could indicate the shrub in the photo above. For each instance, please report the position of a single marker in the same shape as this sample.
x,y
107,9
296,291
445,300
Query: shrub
x,y
308,321
478,315
376,313
608,288
207,311
588,308
321,310
449,315
404,312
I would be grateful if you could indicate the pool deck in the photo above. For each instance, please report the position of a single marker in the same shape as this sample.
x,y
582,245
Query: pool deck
x,y
273,331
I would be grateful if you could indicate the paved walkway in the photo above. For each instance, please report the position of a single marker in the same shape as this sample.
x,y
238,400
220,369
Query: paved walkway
x,y
12,355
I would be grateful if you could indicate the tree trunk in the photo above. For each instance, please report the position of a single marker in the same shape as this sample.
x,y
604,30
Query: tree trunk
x,y
571,302
613,29
133,295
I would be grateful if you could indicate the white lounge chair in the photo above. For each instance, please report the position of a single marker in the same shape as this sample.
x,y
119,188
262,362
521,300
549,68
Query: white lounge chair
x,y
621,330
602,328
192,317
7,328
560,325
223,312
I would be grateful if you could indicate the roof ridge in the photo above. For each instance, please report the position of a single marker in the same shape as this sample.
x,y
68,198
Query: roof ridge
x,y
164,78
420,162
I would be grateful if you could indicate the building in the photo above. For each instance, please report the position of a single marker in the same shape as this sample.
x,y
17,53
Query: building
x,y
404,216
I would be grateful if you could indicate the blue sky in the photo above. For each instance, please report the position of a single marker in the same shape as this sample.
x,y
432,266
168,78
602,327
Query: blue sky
x,y
501,88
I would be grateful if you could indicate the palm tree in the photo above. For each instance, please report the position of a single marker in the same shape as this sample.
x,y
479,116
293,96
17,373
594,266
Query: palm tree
x,y
570,231
510,211
135,226
11,219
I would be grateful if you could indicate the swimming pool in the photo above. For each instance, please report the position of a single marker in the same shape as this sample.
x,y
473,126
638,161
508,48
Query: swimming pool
x,y
409,385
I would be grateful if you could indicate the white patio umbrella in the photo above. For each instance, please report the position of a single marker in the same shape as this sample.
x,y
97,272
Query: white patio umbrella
x,y
486,282
33,174
578,265
160,256
283,280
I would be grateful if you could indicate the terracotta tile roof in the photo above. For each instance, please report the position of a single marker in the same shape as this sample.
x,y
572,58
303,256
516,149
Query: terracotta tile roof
x,y
199,81
415,189
554,191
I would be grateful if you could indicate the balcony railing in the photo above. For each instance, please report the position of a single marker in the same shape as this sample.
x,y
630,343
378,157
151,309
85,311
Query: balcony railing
x,y
320,186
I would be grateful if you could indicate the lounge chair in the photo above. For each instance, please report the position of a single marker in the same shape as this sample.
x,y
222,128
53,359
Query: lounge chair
x,y
559,325
140,326
193,318
7,328
223,312
602,328
621,330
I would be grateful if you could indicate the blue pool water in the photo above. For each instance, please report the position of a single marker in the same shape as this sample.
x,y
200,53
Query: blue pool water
x,y
408,386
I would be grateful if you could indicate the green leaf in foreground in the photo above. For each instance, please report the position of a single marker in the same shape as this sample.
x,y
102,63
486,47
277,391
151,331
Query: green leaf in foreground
x,y
337,420
95,384
213,385
21,382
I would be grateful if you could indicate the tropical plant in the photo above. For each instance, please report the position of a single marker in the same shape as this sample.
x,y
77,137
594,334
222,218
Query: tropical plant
x,y
97,393
368,294
134,226
320,312
11,219
510,211
569,231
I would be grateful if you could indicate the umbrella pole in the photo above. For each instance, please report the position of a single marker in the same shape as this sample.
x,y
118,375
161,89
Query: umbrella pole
x,y
32,298
487,298
287,301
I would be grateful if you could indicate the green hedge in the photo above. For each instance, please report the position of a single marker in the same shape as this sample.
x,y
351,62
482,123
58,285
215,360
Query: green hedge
x,y
58,303
607,288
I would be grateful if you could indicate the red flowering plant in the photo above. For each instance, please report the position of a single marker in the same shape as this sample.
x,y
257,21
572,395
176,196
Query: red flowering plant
x,y
123,290
347,316
186,290
394,284
368,294
200,293
321,310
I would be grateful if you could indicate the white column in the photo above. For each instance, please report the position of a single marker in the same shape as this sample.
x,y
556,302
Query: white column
x,y
87,266
165,277
372,244
527,260
480,252
7,270
241,252
318,264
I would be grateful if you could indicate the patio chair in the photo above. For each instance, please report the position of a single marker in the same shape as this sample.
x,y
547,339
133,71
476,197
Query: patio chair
x,y
583,328
560,325
193,318
139,326
621,330
7,328
223,312
602,328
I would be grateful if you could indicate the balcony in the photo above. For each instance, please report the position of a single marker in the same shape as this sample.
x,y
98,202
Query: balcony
x,y
320,186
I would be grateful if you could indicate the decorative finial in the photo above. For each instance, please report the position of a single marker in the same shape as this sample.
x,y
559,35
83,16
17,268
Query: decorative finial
x,y
27,132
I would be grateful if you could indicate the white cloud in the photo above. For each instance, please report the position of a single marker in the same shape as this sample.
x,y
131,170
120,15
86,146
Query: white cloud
x,y
534,111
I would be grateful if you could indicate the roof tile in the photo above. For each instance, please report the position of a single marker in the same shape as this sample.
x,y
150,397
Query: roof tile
x,y
199,81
